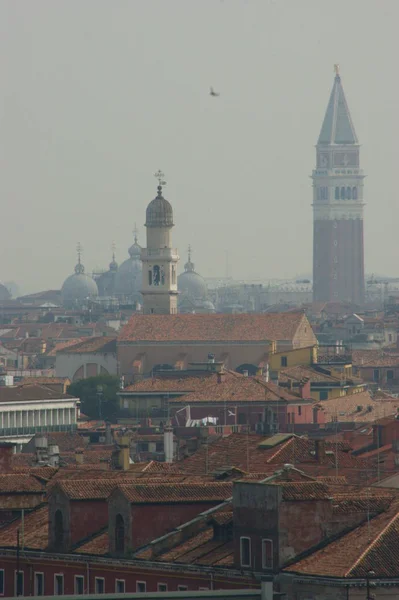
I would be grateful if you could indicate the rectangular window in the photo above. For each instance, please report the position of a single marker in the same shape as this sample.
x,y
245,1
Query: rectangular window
x,y
376,375
283,361
245,551
389,374
162,587
267,554
39,584
120,586
79,585
1,582
182,588
19,583
141,586
323,395
99,585
58,584
299,410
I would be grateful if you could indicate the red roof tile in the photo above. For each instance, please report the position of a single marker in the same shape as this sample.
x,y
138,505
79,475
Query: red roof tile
x,y
217,327
373,546
35,530
172,492
14,483
101,344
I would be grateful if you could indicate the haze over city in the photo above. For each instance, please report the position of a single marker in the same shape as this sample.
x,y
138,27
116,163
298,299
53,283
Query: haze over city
x,y
98,95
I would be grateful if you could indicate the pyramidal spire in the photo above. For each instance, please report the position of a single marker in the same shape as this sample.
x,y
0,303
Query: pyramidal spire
x,y
337,126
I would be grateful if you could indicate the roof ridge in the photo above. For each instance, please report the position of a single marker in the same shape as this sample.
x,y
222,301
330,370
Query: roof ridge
x,y
367,550
281,448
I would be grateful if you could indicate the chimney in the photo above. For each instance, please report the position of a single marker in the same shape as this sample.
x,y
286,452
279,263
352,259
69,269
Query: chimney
x,y
41,449
273,347
211,358
220,377
320,450
123,453
245,373
79,458
108,434
266,589
6,452
168,442
54,455
304,387
267,373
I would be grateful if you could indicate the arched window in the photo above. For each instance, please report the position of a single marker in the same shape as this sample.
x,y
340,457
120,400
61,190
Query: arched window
x,y
337,193
173,274
150,277
119,534
162,275
354,193
58,529
156,275
348,193
342,193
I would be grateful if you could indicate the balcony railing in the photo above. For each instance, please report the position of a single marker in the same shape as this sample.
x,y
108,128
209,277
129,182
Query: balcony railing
x,y
31,430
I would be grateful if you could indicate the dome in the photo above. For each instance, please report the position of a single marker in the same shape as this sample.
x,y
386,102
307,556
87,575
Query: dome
x,y
190,282
77,288
129,275
4,293
159,212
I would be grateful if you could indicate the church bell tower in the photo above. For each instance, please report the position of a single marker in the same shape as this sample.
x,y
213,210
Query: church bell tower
x,y
159,287
338,254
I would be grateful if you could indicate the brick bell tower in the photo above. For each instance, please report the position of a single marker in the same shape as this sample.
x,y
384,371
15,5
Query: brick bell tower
x,y
338,254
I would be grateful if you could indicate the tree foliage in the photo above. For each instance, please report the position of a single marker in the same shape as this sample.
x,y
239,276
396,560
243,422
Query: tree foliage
x,y
97,395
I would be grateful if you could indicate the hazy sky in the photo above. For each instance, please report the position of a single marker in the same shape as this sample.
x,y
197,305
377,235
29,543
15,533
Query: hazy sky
x,y
96,95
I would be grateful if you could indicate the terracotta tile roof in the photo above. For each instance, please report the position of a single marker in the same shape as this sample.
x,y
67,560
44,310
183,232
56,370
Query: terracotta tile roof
x,y
301,491
35,530
217,327
244,452
15,483
299,372
234,387
63,345
97,545
91,345
194,542
45,380
24,393
172,492
178,383
374,358
370,547
88,489
346,408
67,441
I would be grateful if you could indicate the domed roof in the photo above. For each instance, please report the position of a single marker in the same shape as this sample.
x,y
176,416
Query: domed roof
x,y
129,275
4,293
77,288
159,212
190,282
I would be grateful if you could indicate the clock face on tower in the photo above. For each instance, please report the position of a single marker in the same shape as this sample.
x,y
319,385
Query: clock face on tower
x,y
346,159
323,160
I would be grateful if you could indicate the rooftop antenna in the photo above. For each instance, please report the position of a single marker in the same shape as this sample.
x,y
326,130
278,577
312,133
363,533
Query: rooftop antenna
x,y
113,248
189,253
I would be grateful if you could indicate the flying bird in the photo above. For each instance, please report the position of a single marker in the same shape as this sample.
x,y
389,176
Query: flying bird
x,y
213,93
